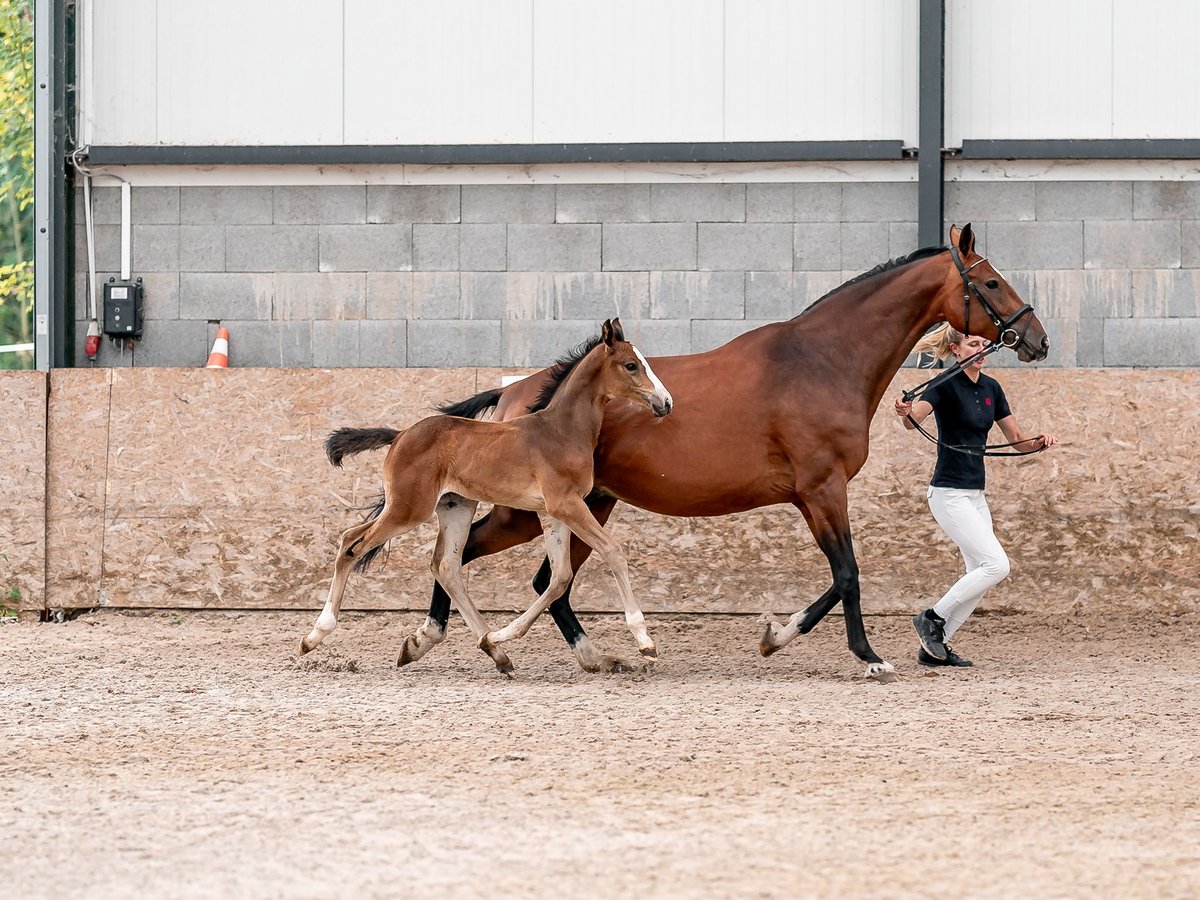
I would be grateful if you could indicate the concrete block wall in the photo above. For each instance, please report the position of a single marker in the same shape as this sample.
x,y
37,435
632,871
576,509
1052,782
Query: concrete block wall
x,y
512,275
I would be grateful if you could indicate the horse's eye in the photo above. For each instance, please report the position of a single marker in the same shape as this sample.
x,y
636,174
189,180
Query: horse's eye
x,y
630,367
991,284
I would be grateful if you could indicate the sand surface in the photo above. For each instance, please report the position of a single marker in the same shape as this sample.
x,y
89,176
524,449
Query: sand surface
x,y
193,754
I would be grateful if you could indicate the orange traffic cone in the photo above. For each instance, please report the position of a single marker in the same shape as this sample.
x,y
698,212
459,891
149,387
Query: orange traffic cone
x,y
219,358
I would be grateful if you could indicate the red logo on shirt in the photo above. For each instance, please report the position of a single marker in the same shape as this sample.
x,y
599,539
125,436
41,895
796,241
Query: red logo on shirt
x,y
987,401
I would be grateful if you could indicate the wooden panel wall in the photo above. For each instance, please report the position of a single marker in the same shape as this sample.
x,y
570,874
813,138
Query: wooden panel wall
x,y
22,490
201,489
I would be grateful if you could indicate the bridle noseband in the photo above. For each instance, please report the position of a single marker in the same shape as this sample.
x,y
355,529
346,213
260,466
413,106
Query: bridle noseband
x,y
1004,326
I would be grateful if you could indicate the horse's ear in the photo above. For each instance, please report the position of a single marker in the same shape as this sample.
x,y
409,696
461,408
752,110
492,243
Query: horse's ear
x,y
966,240
617,329
606,332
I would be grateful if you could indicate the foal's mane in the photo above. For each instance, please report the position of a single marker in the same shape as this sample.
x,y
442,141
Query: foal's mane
x,y
891,264
559,372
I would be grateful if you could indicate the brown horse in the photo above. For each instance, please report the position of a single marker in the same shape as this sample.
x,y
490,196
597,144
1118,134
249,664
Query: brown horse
x,y
539,463
778,415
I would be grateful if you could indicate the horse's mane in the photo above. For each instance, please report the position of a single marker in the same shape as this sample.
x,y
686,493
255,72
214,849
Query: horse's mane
x,y
922,253
558,373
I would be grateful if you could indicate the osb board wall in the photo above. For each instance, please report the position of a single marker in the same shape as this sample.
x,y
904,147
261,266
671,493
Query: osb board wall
x,y
22,490
197,488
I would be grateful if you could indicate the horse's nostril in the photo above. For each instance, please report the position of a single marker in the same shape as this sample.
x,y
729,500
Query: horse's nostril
x,y
1045,343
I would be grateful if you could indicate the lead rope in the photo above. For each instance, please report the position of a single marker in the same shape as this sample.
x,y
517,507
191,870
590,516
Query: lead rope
x,y
987,449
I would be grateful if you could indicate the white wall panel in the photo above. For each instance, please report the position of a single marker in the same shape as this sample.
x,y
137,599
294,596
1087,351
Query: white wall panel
x,y
261,72
1099,69
1156,69
627,70
1028,69
813,70
117,73
447,72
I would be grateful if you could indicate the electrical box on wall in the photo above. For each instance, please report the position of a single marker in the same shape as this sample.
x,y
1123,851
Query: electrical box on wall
x,y
123,308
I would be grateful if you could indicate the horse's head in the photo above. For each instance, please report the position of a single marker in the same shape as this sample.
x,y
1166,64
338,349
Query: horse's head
x,y
627,374
983,303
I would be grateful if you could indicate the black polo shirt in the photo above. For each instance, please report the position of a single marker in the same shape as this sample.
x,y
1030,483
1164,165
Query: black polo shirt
x,y
965,412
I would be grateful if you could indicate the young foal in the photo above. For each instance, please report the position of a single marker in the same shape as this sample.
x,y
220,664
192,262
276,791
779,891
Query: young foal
x,y
541,462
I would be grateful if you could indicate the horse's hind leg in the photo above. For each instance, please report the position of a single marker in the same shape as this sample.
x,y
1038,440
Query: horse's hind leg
x,y
828,518
357,543
327,620
498,530
558,551
777,636
454,524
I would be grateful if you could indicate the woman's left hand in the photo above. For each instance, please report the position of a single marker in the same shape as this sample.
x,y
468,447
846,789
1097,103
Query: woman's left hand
x,y
1046,440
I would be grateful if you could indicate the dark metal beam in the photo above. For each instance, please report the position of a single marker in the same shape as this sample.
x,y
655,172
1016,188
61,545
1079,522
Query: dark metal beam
x,y
1188,148
497,154
931,116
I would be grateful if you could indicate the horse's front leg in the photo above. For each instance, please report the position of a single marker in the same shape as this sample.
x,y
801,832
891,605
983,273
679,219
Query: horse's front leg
x,y
579,518
828,518
589,657
498,530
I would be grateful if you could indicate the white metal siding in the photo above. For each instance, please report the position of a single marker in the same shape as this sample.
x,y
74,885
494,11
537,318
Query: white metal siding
x,y
452,72
499,71
1030,69
815,70
232,72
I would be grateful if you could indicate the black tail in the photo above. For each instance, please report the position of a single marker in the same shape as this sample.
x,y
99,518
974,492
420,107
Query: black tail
x,y
367,558
473,406
348,441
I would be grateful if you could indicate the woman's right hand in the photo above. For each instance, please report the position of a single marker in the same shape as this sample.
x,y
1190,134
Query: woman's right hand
x,y
903,408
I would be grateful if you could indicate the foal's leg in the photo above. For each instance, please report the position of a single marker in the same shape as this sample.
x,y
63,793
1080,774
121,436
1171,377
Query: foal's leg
x,y
825,510
498,530
558,551
327,620
454,524
575,513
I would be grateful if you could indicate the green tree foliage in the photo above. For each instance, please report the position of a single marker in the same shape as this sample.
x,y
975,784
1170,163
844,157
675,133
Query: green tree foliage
x,y
16,180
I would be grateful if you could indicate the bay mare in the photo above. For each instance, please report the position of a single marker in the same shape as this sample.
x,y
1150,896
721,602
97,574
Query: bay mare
x,y
780,414
539,463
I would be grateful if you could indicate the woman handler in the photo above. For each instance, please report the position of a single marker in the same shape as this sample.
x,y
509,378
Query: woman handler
x,y
965,406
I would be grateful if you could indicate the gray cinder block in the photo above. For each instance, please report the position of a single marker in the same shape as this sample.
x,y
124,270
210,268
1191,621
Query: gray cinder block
x,y
271,248
320,295
553,248
437,343
220,296
365,248
762,247
638,247
698,202
389,204
247,205
1149,244
508,203
581,203
320,204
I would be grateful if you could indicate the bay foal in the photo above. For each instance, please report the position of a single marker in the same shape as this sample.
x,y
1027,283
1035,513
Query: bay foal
x,y
541,462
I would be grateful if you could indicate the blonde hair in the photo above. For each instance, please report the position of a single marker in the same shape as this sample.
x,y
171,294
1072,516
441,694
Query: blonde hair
x,y
937,342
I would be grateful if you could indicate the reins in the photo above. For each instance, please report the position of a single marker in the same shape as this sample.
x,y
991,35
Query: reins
x,y
1007,333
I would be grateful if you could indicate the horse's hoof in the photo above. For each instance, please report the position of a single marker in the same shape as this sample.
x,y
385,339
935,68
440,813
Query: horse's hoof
x,y
304,648
651,653
767,645
883,672
505,667
406,655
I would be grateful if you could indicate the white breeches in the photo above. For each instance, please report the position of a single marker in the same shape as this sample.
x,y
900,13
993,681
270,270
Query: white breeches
x,y
965,517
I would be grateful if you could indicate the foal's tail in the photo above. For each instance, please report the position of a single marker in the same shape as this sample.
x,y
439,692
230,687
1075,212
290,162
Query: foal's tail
x,y
348,441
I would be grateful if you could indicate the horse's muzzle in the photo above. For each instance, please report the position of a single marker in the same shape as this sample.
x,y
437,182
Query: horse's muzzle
x,y
660,409
1028,353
